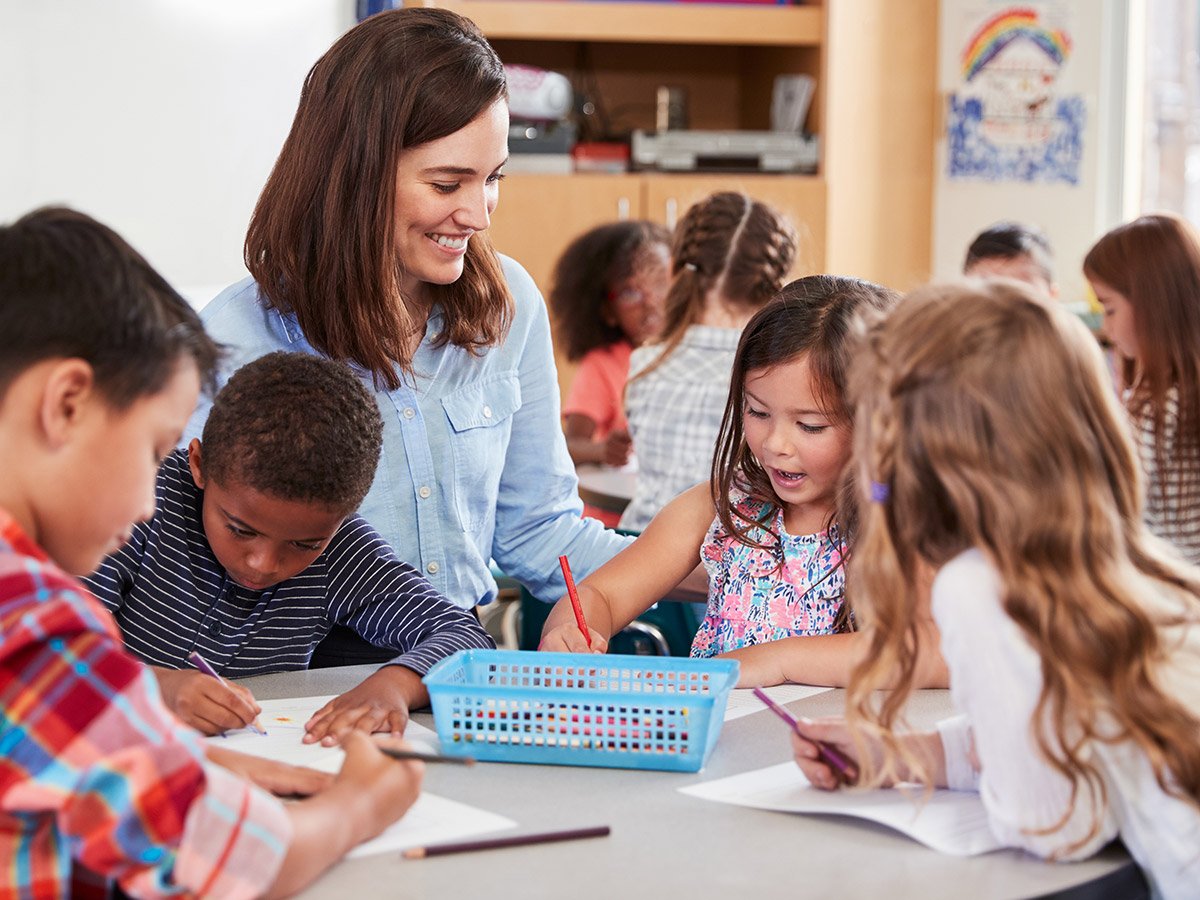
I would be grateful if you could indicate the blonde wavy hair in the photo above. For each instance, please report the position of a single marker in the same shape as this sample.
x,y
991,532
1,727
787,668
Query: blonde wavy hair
x,y
985,419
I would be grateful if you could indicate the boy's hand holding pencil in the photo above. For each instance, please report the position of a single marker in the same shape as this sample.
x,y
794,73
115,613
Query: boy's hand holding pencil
x,y
210,705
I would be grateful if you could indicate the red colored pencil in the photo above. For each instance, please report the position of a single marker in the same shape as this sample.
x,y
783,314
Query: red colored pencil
x,y
574,595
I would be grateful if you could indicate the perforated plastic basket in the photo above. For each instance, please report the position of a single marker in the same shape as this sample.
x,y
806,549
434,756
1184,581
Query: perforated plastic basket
x,y
574,709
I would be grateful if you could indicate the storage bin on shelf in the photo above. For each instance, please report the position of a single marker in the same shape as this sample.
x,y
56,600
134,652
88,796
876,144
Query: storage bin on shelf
x,y
580,709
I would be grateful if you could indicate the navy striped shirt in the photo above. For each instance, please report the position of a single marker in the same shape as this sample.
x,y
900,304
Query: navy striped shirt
x,y
171,597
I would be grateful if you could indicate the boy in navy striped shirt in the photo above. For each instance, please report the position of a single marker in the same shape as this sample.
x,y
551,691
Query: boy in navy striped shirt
x,y
254,553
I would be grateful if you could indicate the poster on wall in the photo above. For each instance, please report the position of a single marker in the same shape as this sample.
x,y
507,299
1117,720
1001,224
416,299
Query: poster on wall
x,y
1013,115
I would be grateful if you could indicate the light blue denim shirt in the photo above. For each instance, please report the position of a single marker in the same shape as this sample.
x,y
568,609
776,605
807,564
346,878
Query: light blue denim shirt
x,y
474,463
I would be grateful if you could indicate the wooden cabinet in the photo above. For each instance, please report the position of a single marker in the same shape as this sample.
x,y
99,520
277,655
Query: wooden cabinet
x,y
539,214
868,209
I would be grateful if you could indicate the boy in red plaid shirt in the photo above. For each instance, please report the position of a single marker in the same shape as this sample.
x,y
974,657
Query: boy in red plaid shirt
x,y
101,363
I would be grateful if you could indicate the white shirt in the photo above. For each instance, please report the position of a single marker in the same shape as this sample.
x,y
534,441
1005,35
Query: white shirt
x,y
996,679
674,415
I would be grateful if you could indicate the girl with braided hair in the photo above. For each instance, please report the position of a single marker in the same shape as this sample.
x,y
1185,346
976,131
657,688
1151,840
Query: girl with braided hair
x,y
766,526
1072,635
729,256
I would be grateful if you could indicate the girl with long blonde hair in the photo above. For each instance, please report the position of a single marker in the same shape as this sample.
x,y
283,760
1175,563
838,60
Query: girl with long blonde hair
x,y
1071,634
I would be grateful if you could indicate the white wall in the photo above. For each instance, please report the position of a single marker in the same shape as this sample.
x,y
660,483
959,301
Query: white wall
x,y
161,118
1073,216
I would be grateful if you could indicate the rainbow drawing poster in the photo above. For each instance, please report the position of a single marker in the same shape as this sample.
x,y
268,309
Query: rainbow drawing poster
x,y
1008,119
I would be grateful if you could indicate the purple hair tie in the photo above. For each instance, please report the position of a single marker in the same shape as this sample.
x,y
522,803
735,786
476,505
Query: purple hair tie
x,y
880,492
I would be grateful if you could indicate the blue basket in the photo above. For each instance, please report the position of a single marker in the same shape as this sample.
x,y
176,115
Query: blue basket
x,y
578,709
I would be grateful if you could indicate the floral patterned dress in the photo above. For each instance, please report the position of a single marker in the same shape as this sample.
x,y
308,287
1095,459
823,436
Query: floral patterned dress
x,y
752,599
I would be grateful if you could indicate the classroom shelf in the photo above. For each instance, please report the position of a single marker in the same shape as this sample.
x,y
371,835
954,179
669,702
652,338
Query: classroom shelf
x,y
663,23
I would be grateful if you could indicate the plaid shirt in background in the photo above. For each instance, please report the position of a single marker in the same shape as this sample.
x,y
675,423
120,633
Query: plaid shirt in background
x,y
94,771
674,416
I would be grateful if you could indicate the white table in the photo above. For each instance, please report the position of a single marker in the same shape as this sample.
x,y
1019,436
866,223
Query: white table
x,y
665,845
605,487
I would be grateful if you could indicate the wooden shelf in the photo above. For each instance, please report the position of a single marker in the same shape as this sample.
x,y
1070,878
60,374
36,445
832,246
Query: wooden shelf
x,y
656,23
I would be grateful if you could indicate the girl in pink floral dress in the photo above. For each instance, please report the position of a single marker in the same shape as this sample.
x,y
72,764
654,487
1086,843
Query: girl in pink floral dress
x,y
766,526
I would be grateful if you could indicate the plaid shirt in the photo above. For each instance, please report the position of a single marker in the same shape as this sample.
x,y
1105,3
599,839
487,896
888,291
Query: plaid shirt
x,y
674,416
95,773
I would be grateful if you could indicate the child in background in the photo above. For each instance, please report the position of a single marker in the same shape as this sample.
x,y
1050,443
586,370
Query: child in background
x,y
100,366
255,553
1073,641
1146,275
607,299
1013,250
766,526
729,256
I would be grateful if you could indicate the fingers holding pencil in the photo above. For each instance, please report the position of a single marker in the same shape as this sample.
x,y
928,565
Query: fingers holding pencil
x,y
823,752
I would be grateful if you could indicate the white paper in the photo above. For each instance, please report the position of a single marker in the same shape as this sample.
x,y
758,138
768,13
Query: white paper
x,y
431,820
952,822
742,702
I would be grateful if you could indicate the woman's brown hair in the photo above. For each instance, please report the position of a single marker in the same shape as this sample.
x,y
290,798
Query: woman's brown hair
x,y
984,418
1154,262
728,241
321,242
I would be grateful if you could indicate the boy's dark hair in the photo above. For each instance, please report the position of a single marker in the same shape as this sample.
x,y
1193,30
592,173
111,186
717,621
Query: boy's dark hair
x,y
297,427
73,288
1008,240
591,266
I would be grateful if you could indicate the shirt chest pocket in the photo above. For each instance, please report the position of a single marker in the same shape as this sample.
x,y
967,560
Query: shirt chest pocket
x,y
480,417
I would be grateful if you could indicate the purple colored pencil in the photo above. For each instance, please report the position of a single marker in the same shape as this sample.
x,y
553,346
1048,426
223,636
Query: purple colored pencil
x,y
827,753
203,665
518,840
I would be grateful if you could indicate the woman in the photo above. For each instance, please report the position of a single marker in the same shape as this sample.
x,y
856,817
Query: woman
x,y
368,244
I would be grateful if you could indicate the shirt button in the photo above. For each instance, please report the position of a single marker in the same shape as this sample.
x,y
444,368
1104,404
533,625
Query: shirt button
x,y
214,628
487,412
424,491
409,412
432,568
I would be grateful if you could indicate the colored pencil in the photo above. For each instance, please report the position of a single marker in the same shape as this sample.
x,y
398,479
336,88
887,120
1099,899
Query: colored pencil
x,y
827,753
574,595
427,757
519,840
202,664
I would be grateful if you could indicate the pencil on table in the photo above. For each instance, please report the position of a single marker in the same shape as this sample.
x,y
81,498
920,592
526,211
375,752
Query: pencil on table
x,y
519,840
574,595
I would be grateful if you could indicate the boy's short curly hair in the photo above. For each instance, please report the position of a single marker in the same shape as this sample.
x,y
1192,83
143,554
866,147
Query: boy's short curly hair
x,y
297,427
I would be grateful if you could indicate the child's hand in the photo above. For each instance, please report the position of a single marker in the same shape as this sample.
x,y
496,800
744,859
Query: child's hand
x,y
569,639
380,703
277,777
206,703
381,787
617,447
820,773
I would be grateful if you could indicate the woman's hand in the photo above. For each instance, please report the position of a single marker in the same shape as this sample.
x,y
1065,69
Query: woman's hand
x,y
569,639
380,703
208,704
279,778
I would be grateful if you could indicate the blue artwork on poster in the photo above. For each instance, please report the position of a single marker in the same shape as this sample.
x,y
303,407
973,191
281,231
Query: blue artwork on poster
x,y
1054,154
1007,122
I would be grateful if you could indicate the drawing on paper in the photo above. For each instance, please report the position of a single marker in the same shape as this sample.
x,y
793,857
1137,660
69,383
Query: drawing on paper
x,y
1008,120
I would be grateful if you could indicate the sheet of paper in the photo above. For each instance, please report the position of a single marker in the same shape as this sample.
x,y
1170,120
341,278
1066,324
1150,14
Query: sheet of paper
x,y
742,702
283,721
431,820
952,822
